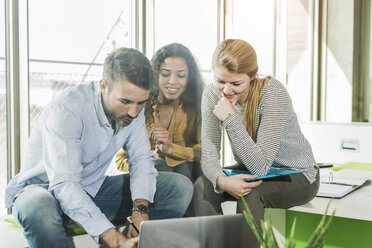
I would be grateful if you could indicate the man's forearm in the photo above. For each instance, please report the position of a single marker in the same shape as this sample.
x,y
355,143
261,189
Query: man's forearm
x,y
141,202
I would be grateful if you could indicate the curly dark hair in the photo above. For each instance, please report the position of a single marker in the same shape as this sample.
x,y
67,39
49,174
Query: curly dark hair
x,y
191,97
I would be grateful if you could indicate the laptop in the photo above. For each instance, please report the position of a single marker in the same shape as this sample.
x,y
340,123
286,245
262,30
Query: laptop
x,y
218,231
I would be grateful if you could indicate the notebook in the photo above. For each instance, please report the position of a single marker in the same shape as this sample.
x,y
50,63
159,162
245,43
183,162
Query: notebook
x,y
270,174
217,231
339,187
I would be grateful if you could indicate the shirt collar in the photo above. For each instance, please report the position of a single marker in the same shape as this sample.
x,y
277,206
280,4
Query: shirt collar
x,y
102,118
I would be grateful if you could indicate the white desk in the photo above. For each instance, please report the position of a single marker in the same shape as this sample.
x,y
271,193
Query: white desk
x,y
356,205
353,208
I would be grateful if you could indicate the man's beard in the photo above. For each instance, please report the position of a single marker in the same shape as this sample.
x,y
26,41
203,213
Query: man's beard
x,y
124,120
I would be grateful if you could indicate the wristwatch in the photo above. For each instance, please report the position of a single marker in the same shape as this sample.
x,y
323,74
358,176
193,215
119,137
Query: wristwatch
x,y
143,209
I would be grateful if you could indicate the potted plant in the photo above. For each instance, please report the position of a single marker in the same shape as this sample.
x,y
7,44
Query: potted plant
x,y
267,238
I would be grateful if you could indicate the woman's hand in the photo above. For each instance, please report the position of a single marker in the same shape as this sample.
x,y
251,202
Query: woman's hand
x,y
156,152
224,108
234,185
161,136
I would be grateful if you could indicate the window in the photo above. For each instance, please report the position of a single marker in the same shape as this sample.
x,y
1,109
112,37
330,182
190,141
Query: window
x,y
3,117
68,41
299,56
193,23
282,40
241,22
61,43
346,61
254,22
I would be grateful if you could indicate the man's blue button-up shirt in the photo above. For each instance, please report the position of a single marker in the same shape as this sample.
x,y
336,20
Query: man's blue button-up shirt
x,y
71,147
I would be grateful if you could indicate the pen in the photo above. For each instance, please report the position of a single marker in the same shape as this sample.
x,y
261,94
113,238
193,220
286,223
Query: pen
x,y
342,184
324,165
129,218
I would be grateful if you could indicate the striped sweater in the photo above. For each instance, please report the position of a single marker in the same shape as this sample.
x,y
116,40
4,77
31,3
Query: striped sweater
x,y
280,142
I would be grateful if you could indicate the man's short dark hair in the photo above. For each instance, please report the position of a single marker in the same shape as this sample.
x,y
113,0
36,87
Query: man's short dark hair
x,y
128,64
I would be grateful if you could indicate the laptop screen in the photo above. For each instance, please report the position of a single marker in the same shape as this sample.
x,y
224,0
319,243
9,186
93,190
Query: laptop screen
x,y
195,232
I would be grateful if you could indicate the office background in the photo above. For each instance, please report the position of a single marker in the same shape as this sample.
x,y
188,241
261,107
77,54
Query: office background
x,y
320,49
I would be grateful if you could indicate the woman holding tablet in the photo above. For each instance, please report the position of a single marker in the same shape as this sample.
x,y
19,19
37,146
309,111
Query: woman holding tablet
x,y
264,133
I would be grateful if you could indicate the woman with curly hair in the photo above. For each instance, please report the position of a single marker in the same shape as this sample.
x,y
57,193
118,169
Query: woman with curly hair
x,y
173,116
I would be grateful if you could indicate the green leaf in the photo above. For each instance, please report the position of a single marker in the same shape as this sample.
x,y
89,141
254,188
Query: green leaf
x,y
291,242
316,239
251,222
270,229
267,238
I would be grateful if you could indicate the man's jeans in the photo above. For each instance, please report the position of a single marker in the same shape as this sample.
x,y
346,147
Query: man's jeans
x,y
43,221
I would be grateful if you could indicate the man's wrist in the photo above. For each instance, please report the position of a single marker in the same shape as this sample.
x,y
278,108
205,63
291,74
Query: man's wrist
x,y
143,209
139,215
141,206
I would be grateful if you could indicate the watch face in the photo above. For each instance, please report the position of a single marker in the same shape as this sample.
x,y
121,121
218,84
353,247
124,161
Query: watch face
x,y
143,209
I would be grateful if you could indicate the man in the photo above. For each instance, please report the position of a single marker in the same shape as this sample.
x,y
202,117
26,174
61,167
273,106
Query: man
x,y
73,142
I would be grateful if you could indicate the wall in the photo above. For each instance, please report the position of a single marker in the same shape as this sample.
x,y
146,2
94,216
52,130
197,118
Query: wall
x,y
325,140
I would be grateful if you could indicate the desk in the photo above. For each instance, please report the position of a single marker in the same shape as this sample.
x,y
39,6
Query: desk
x,y
356,205
352,226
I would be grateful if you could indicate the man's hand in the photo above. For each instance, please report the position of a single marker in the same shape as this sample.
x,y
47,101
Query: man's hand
x,y
137,219
130,243
115,239
236,184
224,108
161,136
